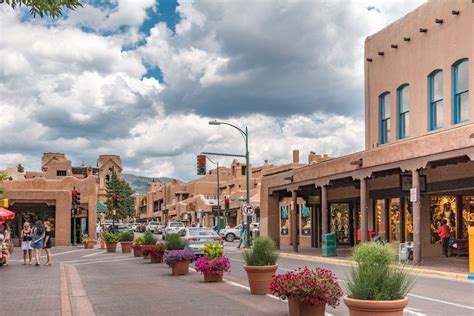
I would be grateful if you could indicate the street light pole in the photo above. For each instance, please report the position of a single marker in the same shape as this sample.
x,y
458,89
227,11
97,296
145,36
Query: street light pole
x,y
247,168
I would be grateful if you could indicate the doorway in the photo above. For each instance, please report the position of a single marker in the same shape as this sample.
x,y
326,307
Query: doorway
x,y
32,212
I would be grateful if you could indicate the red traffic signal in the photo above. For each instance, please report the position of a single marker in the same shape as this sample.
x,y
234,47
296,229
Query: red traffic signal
x,y
201,165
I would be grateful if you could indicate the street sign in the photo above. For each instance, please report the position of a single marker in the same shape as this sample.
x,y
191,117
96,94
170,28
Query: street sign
x,y
248,210
413,195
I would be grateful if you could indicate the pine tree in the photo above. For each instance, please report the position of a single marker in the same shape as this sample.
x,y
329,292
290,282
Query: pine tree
x,y
123,201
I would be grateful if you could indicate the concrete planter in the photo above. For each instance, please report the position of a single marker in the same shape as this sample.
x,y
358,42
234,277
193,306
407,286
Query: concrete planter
x,y
298,308
375,308
260,278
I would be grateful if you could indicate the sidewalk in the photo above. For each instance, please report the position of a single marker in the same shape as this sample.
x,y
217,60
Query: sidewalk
x,y
452,267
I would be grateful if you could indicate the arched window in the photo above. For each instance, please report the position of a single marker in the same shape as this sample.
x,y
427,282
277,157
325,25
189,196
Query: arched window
x,y
384,100
403,105
435,83
461,91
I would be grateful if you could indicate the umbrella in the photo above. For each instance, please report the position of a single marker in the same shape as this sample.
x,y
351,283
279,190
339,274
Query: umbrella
x,y
6,214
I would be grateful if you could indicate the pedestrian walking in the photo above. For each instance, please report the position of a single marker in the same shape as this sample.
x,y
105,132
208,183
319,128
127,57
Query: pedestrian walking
x,y
26,237
98,230
444,233
242,234
38,234
47,242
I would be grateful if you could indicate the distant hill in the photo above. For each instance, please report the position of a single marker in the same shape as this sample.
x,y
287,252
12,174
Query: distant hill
x,y
140,184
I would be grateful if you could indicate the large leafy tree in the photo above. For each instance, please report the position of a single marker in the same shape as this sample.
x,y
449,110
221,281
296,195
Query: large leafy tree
x,y
53,8
120,191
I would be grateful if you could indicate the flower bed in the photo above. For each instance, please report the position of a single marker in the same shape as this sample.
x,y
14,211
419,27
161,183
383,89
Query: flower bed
x,y
217,265
178,255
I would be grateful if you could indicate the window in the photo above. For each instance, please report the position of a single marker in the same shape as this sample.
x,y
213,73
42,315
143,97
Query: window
x,y
61,173
435,82
385,118
461,91
403,96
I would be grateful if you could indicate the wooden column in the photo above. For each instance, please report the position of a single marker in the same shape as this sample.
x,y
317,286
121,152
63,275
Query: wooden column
x,y
324,210
294,232
416,219
364,225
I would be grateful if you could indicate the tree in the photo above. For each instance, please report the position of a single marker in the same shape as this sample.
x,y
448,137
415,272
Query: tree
x,y
119,197
53,8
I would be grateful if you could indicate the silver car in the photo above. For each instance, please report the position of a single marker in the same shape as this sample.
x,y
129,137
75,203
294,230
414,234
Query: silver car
x,y
197,237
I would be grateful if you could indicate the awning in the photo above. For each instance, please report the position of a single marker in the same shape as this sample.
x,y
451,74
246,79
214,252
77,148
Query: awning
x,y
101,207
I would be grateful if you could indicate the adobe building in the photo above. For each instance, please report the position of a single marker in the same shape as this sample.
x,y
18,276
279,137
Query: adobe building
x,y
47,195
419,74
197,201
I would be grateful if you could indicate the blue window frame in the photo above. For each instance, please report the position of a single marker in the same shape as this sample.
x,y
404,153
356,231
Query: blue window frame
x,y
403,105
435,83
384,100
461,91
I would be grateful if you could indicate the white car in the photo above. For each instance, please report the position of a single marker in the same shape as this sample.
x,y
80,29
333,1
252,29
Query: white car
x,y
136,227
231,234
173,227
152,226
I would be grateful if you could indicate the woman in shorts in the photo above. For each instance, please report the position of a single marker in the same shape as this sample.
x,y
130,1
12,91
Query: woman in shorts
x,y
26,242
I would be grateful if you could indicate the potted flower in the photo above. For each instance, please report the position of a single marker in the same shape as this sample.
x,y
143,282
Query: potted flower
x,y
137,246
375,286
155,252
308,291
88,242
148,239
179,260
261,265
175,242
213,264
111,239
126,240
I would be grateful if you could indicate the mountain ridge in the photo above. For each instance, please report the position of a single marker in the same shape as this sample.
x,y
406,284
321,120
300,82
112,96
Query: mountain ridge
x,y
140,184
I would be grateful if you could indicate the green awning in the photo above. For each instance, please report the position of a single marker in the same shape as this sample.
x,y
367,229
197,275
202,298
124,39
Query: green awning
x,y
101,207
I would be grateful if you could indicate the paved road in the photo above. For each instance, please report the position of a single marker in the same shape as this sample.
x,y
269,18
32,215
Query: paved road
x,y
119,284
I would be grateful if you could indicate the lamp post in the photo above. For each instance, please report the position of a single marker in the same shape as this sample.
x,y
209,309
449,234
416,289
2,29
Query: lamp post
x,y
245,134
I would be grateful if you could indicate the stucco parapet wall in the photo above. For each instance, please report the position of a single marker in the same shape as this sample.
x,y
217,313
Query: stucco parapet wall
x,y
408,155
85,186
284,168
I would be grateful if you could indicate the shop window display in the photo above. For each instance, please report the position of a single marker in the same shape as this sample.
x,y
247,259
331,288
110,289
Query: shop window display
x,y
467,210
284,221
380,218
442,207
394,219
305,220
340,222
408,220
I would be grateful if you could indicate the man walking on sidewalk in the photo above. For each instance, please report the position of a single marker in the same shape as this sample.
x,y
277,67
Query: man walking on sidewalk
x,y
243,228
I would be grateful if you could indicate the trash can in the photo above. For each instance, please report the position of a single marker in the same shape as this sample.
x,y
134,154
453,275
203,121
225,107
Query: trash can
x,y
405,252
329,245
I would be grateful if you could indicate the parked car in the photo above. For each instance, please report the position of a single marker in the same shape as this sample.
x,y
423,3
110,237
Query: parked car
x,y
172,227
120,227
231,234
197,237
158,229
136,227
143,227
151,226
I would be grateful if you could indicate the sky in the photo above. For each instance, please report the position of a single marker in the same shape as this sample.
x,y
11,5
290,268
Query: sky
x,y
142,79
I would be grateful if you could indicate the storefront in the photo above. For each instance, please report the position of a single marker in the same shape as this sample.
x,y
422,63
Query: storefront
x,y
32,212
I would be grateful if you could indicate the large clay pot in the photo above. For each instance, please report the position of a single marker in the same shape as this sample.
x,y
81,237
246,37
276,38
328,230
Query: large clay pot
x,y
137,252
126,246
89,244
156,258
212,277
298,308
180,267
375,308
260,278
111,246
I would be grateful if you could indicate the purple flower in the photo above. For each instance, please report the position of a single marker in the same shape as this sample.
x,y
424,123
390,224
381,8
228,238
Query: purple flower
x,y
178,255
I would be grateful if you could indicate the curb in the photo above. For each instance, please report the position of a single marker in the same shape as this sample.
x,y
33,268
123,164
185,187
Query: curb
x,y
453,275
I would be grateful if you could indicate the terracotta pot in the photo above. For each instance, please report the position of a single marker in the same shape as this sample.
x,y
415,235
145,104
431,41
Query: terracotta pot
x,y
374,308
147,256
260,278
137,252
212,277
126,246
156,258
111,246
89,244
298,308
180,267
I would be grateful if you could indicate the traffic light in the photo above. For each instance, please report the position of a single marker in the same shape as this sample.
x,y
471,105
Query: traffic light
x,y
227,203
75,195
201,165
115,200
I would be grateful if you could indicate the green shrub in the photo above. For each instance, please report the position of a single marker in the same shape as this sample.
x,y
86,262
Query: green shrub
x,y
149,238
175,242
375,277
213,249
138,240
264,253
126,236
110,237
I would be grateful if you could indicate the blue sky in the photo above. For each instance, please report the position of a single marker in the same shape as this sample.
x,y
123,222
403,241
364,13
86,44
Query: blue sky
x,y
141,79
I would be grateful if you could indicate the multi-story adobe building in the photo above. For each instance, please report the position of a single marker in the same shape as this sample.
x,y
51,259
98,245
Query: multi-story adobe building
x,y
196,201
419,74
47,195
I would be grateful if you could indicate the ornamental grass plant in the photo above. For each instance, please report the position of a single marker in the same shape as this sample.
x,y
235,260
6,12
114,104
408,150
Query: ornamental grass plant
x,y
376,277
316,287
264,253
126,236
175,242
213,249
110,237
149,238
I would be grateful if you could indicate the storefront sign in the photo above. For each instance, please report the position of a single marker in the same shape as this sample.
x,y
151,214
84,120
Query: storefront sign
x,y
314,200
414,195
406,182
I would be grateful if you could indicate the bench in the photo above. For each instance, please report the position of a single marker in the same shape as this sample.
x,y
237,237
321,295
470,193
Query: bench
x,y
460,246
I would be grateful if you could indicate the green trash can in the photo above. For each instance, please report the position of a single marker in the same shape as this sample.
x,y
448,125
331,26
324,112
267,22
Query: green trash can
x,y
329,245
